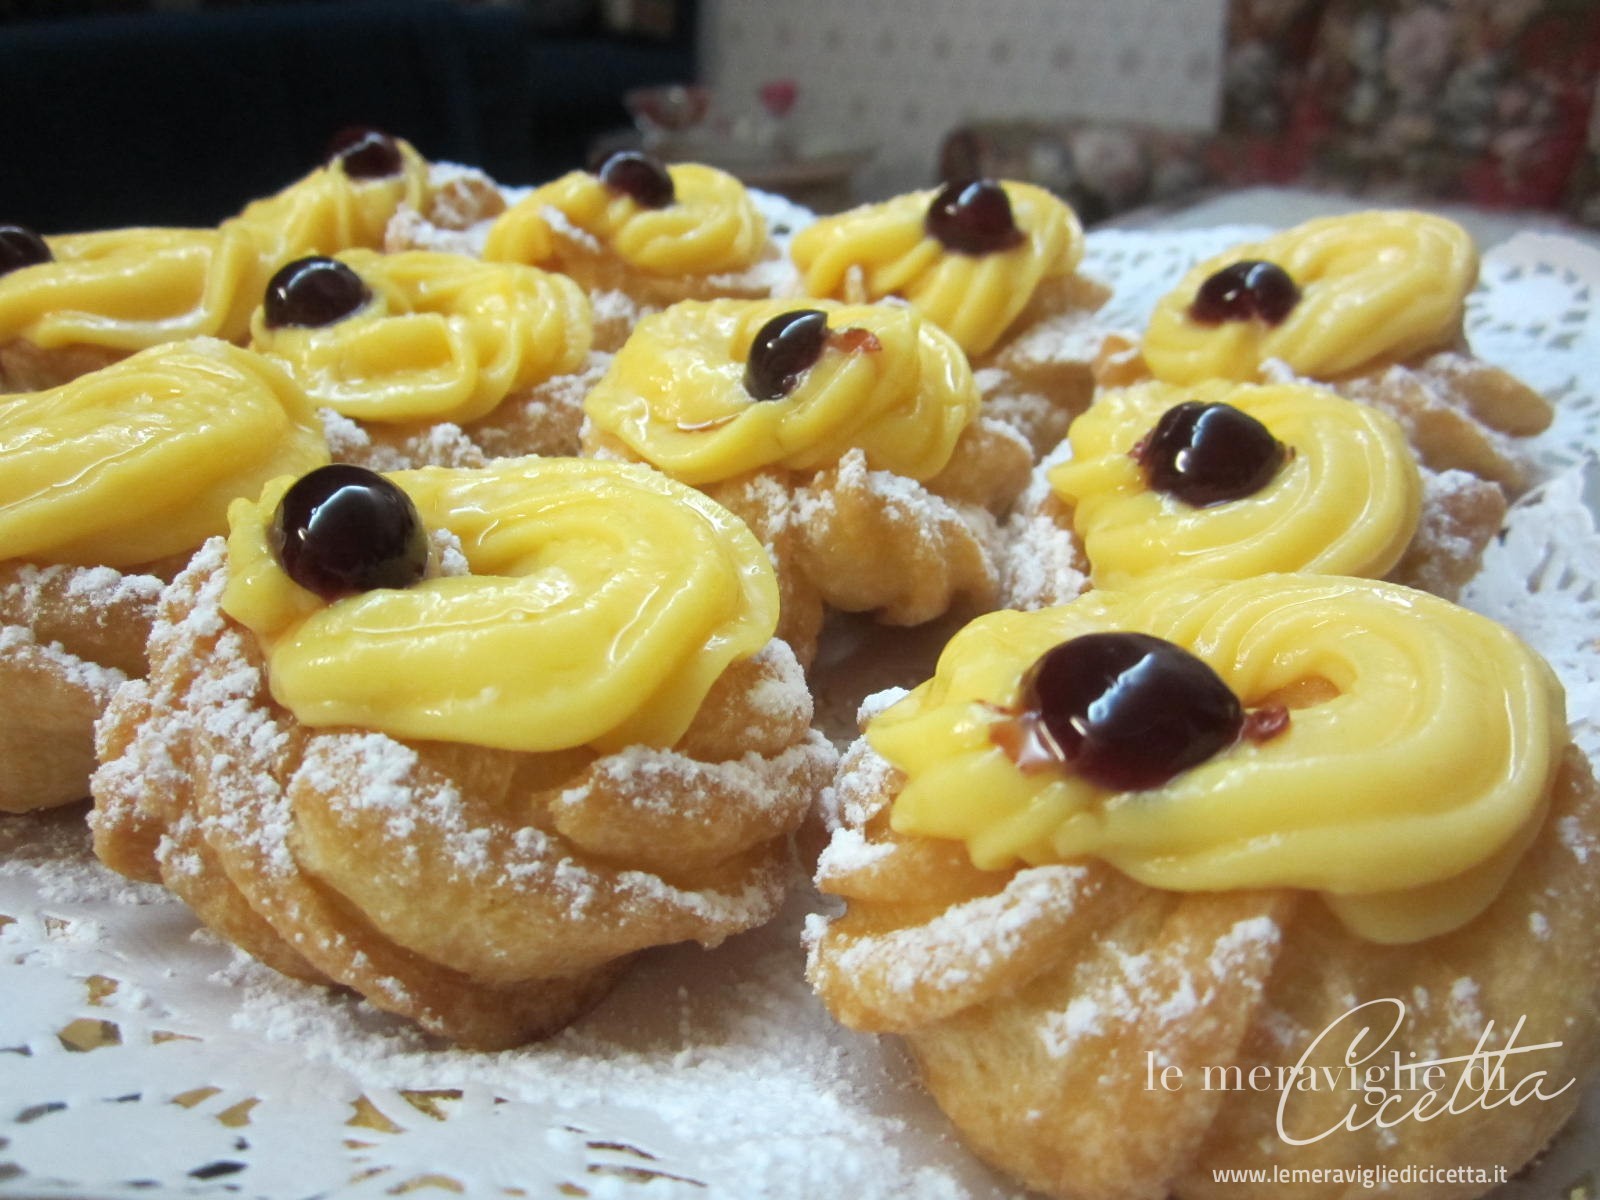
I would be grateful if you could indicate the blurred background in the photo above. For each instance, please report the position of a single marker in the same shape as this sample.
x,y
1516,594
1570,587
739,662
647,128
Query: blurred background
x,y
180,111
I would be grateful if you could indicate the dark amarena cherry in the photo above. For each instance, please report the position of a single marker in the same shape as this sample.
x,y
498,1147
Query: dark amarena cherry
x,y
1128,711
973,217
783,350
342,529
365,153
636,174
21,247
1245,290
1205,454
312,292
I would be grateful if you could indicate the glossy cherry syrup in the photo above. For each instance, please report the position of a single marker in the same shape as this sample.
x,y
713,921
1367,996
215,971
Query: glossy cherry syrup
x,y
342,529
973,217
1128,711
1247,290
636,174
313,292
21,247
1204,454
783,350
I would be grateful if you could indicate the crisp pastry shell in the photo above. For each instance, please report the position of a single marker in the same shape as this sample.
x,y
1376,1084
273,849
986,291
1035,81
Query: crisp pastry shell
x,y
1033,1002
1043,562
852,538
68,637
1458,412
544,419
489,896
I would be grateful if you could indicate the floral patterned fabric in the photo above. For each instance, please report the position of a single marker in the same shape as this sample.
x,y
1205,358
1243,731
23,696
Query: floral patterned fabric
x,y
1484,101
1487,102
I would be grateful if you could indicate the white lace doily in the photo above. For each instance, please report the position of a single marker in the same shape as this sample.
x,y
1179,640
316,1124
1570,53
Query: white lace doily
x,y
139,1056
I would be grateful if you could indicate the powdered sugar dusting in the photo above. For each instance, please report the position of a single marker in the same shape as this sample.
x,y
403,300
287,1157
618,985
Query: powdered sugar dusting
x,y
722,1066
88,677
965,940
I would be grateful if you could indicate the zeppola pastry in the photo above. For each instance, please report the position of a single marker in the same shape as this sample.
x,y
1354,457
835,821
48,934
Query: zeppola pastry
x,y
640,235
74,302
1233,875
465,740
1371,304
430,358
849,438
107,484
1226,480
992,262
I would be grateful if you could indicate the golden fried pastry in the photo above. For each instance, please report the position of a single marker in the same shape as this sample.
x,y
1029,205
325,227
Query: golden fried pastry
x,y
81,301
640,235
849,437
429,355
1370,304
994,264
464,741
1253,877
1226,480
107,484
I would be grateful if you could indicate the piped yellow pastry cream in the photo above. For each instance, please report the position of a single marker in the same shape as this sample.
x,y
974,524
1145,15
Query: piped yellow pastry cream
x,y
599,603
1328,298
1225,481
430,336
127,289
970,256
1355,738
683,219
709,390
343,204
140,459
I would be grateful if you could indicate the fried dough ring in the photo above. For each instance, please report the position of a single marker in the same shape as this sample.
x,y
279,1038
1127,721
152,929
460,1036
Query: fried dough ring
x,y
1033,999
68,637
1354,457
1024,315
539,874
113,292
711,241
1379,318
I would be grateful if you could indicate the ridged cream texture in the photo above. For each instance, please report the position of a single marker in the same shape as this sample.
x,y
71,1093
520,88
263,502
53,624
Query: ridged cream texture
x,y
885,250
1376,288
603,601
1421,744
675,392
444,337
140,459
712,226
1346,501
127,289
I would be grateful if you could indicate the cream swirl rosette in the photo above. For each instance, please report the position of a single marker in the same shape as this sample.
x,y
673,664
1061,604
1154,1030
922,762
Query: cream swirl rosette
x,y
334,208
140,460
1374,288
128,289
470,790
121,290
887,249
441,338
1344,498
107,483
885,382
629,591
1415,763
709,226
847,436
